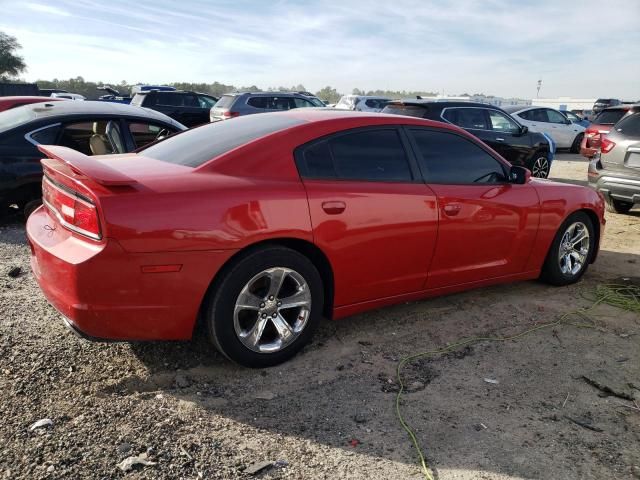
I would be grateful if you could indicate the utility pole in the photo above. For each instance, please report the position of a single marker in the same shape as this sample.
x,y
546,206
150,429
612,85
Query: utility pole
x,y
539,85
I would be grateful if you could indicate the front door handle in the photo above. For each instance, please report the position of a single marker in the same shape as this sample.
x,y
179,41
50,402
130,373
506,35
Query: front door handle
x,y
334,207
499,139
452,209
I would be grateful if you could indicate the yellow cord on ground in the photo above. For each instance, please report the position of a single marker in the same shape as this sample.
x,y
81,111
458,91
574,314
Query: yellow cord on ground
x,y
626,297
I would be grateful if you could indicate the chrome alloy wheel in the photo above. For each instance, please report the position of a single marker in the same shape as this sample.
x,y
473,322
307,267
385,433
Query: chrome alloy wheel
x,y
574,248
272,310
540,168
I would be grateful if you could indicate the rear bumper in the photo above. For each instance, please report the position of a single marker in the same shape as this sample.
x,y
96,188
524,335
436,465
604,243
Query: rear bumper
x,y
614,185
102,293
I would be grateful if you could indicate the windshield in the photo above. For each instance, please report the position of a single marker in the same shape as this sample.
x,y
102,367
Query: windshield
x,y
316,102
15,117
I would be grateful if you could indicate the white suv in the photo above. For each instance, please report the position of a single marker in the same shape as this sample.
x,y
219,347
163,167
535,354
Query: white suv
x,y
362,103
564,133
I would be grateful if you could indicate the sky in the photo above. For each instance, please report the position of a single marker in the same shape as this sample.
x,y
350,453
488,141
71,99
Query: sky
x,y
500,47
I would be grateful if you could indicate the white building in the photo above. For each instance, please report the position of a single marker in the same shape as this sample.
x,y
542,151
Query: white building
x,y
564,103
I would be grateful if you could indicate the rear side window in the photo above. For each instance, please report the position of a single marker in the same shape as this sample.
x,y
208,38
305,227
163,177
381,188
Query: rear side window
x,y
630,126
369,155
225,101
409,110
196,146
447,158
609,117
258,102
473,118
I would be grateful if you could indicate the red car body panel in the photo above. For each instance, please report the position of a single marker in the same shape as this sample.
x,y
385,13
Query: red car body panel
x,y
166,234
7,103
591,141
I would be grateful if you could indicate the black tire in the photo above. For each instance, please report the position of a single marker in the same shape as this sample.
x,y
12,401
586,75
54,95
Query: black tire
x,y
617,206
552,272
540,164
30,207
219,309
575,146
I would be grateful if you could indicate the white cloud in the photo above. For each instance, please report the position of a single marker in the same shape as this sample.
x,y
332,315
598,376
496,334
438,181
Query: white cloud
x,y
498,46
38,7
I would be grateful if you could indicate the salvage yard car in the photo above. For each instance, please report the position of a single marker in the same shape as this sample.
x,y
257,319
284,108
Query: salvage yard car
x,y
232,105
93,128
563,131
492,125
615,170
262,225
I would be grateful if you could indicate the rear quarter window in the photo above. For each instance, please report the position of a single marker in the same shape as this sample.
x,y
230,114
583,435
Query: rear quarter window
x,y
199,145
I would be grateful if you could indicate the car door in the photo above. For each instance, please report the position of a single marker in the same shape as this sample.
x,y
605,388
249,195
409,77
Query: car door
x,y
371,213
563,131
487,226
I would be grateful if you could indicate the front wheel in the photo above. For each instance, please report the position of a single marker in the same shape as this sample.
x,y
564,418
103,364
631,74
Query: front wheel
x,y
265,308
571,251
541,166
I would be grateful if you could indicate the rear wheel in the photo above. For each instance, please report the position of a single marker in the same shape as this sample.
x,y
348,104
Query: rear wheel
x,y
617,206
575,146
571,251
265,308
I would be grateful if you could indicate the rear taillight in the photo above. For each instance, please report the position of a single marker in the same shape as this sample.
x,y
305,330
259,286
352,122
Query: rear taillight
x,y
230,114
74,212
606,145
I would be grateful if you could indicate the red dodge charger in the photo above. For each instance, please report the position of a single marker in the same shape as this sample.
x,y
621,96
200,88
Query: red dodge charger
x,y
260,226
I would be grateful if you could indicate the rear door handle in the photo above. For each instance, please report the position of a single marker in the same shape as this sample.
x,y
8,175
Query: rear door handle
x,y
334,207
452,209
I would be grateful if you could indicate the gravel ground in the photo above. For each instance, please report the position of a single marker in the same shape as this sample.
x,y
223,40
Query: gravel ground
x,y
329,413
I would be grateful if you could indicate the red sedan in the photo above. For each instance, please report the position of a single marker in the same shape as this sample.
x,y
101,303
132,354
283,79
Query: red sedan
x,y
7,103
260,226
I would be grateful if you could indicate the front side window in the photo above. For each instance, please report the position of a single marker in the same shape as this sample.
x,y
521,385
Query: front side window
x,y
472,118
369,155
555,117
501,123
145,133
447,158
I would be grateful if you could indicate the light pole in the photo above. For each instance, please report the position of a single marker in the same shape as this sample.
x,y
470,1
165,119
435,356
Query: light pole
x,y
539,85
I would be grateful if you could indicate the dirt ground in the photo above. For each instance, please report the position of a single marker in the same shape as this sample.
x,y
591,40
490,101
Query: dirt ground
x,y
329,413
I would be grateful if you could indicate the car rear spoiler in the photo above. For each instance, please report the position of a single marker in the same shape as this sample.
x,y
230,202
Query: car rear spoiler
x,y
96,171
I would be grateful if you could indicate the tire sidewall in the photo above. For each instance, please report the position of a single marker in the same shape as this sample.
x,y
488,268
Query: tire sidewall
x,y
219,311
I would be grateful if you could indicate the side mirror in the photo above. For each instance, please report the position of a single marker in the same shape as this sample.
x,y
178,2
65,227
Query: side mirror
x,y
568,122
524,130
519,175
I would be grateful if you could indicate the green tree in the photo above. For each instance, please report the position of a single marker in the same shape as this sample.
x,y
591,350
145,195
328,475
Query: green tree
x,y
329,94
11,64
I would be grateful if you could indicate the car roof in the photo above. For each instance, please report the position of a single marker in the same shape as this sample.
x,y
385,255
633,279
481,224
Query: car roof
x,y
270,94
28,98
420,102
56,109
